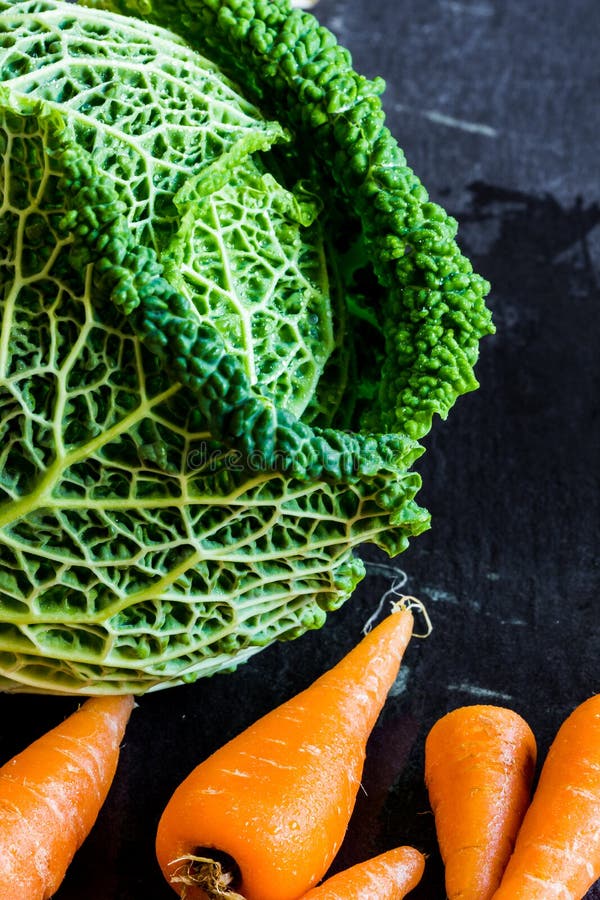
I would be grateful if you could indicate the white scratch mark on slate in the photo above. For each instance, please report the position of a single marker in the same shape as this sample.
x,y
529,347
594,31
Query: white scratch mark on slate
x,y
478,691
399,685
450,121
438,595
475,127
474,9
336,24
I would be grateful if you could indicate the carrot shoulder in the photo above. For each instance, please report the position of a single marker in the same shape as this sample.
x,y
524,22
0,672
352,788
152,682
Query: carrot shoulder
x,y
389,876
51,794
557,853
277,798
479,766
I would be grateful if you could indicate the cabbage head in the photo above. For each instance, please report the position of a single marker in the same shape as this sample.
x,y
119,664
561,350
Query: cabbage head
x,y
229,314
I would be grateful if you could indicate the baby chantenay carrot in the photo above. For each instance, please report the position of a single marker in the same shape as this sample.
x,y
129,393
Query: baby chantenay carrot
x,y
557,853
273,803
479,768
389,876
51,794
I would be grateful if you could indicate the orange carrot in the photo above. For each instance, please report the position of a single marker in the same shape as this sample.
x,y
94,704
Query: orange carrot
x,y
557,853
389,876
277,798
479,766
51,794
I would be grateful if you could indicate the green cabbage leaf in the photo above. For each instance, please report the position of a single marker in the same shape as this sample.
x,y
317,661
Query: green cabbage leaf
x,y
228,314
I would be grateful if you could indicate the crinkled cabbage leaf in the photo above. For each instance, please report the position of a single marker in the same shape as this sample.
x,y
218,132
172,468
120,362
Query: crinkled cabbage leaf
x,y
216,353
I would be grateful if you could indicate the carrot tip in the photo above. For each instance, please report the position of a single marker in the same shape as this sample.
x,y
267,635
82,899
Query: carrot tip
x,y
407,601
393,591
400,603
206,874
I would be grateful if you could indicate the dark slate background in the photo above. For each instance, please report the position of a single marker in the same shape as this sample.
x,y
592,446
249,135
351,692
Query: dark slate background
x,y
496,105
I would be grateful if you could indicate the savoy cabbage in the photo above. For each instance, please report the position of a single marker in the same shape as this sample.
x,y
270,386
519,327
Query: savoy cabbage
x,y
229,313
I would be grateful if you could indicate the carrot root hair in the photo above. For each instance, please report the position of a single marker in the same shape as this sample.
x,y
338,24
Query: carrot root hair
x,y
407,601
399,603
206,874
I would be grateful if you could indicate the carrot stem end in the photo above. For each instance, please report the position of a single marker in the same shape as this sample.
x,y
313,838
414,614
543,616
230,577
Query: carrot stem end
x,y
211,876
